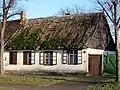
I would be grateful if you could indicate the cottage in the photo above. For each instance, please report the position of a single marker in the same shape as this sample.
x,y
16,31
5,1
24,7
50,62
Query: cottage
x,y
70,43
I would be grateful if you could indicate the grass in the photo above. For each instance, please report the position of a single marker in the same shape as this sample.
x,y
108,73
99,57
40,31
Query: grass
x,y
28,80
39,80
2,88
44,80
109,84
105,86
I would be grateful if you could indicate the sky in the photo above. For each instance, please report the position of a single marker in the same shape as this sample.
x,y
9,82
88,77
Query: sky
x,y
44,8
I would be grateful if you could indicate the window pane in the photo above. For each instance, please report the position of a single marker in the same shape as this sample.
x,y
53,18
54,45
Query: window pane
x,y
46,61
71,59
75,59
13,58
75,52
49,58
51,55
27,58
51,61
47,55
71,51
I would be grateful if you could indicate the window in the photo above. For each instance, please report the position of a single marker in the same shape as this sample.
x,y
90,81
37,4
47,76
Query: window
x,y
13,58
28,58
48,58
73,57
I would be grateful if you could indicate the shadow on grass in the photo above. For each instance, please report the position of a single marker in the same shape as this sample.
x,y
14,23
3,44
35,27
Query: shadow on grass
x,y
73,77
81,79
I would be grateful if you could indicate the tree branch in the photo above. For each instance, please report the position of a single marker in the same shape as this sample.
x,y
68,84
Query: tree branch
x,y
10,4
1,15
105,11
12,15
4,6
118,20
112,13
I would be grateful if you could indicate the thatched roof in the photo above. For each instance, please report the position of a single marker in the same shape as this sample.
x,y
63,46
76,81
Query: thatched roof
x,y
11,28
69,31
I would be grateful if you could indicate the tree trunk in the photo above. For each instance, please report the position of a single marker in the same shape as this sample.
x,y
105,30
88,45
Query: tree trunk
x,y
116,26
117,58
2,51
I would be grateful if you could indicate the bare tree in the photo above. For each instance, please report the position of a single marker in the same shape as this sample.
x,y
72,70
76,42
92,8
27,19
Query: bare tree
x,y
75,9
8,9
112,11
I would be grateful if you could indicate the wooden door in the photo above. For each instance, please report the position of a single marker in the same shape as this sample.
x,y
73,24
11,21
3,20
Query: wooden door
x,y
95,65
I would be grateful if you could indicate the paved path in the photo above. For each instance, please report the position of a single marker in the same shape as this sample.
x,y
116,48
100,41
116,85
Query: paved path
x,y
63,86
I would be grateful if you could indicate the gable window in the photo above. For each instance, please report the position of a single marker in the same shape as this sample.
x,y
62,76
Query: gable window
x,y
72,56
13,58
48,58
28,58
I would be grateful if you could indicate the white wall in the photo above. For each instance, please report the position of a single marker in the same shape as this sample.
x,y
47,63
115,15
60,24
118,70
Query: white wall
x,y
56,68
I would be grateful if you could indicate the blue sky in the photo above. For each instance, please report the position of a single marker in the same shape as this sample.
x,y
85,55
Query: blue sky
x,y
43,8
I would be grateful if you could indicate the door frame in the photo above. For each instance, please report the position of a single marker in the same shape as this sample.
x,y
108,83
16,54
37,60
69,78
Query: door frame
x,y
101,67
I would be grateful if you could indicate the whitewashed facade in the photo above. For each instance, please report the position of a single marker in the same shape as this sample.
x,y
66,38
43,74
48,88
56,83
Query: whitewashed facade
x,y
60,64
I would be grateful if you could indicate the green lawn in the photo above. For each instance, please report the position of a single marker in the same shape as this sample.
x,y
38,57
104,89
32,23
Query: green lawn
x,y
109,84
28,80
6,88
39,80
43,80
105,86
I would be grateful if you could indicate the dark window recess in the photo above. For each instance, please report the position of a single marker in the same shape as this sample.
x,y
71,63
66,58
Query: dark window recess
x,y
13,58
28,58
